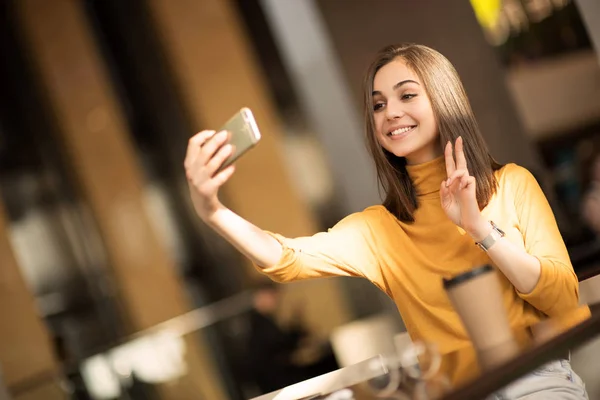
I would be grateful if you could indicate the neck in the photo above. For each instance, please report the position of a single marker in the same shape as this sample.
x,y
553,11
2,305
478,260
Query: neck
x,y
427,176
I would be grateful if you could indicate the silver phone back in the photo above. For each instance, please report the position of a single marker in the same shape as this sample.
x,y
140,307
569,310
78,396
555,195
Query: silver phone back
x,y
244,134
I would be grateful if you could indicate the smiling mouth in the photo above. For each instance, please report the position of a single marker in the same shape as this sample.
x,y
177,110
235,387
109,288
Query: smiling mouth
x,y
401,131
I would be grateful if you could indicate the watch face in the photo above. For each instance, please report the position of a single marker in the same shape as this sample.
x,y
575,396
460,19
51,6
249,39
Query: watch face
x,y
489,240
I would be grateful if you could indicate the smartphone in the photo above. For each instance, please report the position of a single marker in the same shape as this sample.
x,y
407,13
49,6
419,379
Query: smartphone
x,y
244,134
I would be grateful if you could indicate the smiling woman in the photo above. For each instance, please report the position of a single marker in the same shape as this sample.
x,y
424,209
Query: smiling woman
x,y
435,222
415,86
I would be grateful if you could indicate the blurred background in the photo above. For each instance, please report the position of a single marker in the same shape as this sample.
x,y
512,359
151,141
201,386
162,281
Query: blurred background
x,y
111,287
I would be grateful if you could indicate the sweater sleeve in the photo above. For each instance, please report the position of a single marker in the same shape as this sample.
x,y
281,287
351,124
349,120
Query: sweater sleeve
x,y
344,250
557,290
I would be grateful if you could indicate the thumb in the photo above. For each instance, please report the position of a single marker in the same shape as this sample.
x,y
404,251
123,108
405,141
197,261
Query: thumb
x,y
444,190
445,194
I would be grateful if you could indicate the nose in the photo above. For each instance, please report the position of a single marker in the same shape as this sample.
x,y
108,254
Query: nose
x,y
393,110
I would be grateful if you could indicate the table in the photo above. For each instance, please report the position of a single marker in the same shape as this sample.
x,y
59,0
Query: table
x,y
359,379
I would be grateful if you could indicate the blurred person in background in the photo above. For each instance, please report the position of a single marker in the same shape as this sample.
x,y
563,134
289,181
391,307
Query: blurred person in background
x,y
591,202
275,357
449,207
3,390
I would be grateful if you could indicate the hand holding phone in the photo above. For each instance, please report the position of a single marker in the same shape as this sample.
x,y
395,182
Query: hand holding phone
x,y
210,153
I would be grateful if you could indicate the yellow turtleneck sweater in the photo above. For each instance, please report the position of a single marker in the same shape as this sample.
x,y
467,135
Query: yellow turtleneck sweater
x,y
408,261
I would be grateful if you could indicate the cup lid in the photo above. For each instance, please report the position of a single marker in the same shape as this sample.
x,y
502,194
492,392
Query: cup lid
x,y
450,283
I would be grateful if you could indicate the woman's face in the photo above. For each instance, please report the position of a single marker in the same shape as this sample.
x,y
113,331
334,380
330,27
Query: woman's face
x,y
404,121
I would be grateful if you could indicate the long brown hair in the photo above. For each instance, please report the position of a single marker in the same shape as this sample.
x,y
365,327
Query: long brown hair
x,y
454,118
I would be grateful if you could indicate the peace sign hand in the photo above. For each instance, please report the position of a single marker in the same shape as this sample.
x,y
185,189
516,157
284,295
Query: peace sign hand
x,y
458,192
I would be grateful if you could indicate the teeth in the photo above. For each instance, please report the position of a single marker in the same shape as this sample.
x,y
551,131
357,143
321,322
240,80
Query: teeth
x,y
401,130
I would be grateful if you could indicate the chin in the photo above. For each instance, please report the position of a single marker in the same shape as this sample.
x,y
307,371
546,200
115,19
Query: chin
x,y
399,152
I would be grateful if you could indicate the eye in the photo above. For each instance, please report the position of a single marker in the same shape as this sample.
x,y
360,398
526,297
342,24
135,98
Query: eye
x,y
378,106
408,96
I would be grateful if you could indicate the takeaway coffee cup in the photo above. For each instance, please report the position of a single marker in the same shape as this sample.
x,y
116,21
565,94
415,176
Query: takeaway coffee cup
x,y
477,298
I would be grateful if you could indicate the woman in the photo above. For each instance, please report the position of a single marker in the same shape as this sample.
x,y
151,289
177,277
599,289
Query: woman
x,y
442,190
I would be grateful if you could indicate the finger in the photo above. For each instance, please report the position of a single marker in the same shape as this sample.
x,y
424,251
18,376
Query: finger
x,y
466,182
194,145
223,176
444,192
218,159
211,146
459,153
450,167
456,175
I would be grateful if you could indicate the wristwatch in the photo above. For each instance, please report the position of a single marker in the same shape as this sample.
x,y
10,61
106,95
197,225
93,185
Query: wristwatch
x,y
491,238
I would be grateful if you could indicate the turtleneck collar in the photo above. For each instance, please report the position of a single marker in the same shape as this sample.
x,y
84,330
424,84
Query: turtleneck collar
x,y
427,177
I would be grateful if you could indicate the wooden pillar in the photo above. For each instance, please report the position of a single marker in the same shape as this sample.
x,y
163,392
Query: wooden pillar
x,y
25,347
101,156
217,74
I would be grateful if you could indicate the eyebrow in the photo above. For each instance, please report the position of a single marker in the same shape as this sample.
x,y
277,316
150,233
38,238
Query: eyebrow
x,y
397,85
